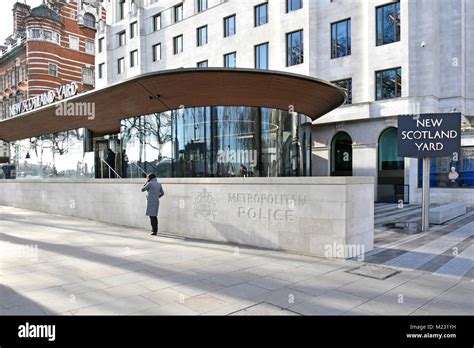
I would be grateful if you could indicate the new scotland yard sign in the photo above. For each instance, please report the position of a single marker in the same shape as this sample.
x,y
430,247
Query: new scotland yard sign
x,y
429,135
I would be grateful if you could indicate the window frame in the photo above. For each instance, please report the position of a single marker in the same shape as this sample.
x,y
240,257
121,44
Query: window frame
x,y
381,7
226,55
55,70
256,17
256,47
133,58
154,51
289,6
348,37
198,36
288,56
201,62
226,19
376,83
175,40
155,21
120,66
349,95
133,30
122,35
178,9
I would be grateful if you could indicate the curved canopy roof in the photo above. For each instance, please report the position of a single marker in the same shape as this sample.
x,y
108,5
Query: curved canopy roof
x,y
172,89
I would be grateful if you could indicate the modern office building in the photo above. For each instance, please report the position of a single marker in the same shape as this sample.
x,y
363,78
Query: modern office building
x,y
51,46
392,57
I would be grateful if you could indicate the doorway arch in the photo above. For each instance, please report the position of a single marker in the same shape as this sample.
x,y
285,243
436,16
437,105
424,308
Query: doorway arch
x,y
391,169
341,155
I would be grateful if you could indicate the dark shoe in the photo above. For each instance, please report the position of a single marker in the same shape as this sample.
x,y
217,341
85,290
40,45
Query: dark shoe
x,y
153,234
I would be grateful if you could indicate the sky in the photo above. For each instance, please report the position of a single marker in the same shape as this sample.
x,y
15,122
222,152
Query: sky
x,y
6,16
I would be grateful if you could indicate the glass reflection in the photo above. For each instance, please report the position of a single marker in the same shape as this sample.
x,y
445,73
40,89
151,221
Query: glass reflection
x,y
215,142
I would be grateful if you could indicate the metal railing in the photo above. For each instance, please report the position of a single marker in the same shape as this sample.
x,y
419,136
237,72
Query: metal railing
x,y
102,162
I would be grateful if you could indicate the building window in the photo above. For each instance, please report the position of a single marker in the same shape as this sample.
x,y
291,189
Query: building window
x,y
88,76
101,70
178,44
293,5
229,26
388,83
47,35
388,23
261,14
90,47
202,36
346,85
201,5
101,44
341,39
261,56
178,13
442,167
295,52
230,60
120,65
133,30
121,11
122,38
157,22
35,34
89,20
157,52
73,42
203,64
53,70
133,58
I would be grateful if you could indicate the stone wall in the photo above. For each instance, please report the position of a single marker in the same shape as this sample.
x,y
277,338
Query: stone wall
x,y
321,216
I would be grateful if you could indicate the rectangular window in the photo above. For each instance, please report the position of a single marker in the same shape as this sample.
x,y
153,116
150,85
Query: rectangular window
x,y
35,33
462,176
157,22
261,56
341,39
293,5
47,35
122,38
133,30
229,26
230,60
388,23
388,84
133,58
101,44
120,65
157,52
53,70
202,36
178,44
88,76
203,64
90,47
295,51
178,13
346,85
261,14
201,5
101,70
121,9
73,42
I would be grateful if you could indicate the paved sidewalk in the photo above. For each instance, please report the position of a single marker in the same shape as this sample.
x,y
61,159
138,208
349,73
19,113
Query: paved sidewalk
x,y
83,267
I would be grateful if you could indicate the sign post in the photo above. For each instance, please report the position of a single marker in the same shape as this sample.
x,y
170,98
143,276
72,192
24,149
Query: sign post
x,y
425,199
429,136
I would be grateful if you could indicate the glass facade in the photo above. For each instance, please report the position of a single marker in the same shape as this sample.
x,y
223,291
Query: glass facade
x,y
216,142
294,48
451,172
59,155
388,84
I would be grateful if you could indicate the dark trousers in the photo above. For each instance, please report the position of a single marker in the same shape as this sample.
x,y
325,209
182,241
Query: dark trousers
x,y
154,223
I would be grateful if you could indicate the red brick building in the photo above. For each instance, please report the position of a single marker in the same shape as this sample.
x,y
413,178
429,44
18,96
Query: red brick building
x,y
51,46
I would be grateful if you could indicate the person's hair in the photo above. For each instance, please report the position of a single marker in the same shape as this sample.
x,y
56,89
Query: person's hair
x,y
151,176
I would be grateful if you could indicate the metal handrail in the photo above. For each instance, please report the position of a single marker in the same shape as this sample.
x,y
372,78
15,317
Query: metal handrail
x,y
136,165
110,169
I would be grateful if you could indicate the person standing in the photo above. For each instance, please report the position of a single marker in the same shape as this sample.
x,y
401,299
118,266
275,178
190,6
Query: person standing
x,y
154,193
